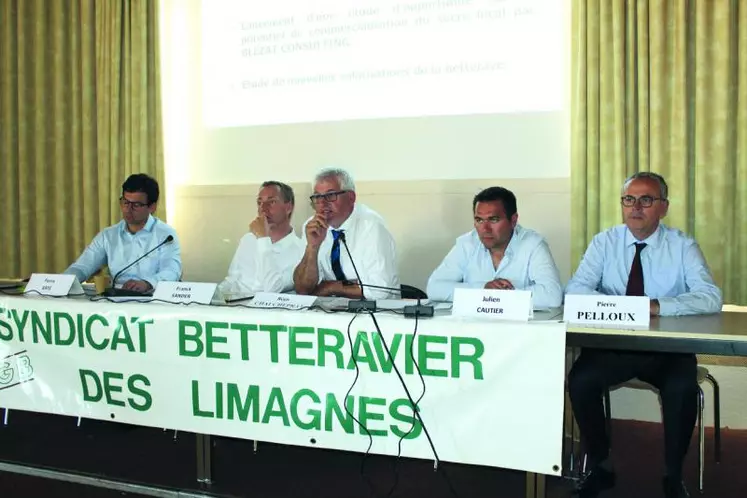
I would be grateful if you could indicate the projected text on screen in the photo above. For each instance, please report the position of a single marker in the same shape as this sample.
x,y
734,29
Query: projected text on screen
x,y
292,61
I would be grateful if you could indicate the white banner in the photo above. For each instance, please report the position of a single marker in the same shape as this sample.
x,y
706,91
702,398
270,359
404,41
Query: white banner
x,y
492,393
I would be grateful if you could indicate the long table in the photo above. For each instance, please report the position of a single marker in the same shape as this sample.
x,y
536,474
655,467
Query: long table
x,y
720,334
287,377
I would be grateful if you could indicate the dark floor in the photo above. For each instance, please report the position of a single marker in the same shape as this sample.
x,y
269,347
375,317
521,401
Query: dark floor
x,y
20,486
152,456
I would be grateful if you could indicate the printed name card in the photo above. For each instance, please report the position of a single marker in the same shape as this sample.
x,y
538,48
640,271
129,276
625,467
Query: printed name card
x,y
185,292
514,305
609,311
284,301
50,284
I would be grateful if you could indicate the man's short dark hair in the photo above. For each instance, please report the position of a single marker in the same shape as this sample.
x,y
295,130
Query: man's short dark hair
x,y
141,182
286,192
491,194
663,188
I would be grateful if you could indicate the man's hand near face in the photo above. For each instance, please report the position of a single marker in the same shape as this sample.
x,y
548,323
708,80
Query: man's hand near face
x,y
316,231
259,227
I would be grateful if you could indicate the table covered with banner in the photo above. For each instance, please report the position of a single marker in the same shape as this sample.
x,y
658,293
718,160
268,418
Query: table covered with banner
x,y
487,393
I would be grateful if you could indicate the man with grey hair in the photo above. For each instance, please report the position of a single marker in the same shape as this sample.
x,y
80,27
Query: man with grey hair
x,y
642,257
267,255
326,269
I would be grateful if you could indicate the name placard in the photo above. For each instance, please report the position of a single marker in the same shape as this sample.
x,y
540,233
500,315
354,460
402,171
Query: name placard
x,y
608,311
53,284
284,301
514,305
185,292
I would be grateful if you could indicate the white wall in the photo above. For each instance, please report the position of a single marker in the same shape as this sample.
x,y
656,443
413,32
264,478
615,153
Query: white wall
x,y
424,216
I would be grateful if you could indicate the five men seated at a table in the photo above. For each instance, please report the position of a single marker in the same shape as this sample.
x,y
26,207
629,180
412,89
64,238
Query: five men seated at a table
x,y
347,250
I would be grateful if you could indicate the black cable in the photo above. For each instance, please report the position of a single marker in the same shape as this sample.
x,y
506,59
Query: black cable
x,y
411,400
368,482
414,408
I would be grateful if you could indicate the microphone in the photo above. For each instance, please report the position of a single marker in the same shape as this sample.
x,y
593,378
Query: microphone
x,y
112,291
411,310
363,304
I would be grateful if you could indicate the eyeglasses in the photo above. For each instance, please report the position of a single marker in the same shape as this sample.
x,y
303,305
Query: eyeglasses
x,y
129,204
644,200
328,197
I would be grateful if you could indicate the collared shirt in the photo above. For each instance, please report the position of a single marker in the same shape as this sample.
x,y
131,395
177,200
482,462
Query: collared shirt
x,y
117,247
527,264
674,270
372,247
261,266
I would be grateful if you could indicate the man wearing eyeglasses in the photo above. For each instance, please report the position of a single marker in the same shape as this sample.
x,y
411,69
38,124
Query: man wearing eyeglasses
x,y
138,232
642,257
326,269
498,254
268,254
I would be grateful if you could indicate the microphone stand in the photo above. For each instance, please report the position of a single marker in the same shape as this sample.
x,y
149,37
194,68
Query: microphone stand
x,y
114,292
362,304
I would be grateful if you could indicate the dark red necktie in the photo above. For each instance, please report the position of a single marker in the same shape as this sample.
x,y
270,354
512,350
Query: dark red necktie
x,y
635,278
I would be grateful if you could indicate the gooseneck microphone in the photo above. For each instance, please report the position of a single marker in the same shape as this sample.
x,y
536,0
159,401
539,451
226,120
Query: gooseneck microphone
x,y
362,304
112,291
411,310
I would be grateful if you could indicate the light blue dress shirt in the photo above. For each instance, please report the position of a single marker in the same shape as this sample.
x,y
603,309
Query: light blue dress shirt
x,y
527,264
117,247
674,270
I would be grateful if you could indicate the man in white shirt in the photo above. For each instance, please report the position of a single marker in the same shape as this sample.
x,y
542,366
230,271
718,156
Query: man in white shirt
x,y
138,234
267,255
326,268
498,254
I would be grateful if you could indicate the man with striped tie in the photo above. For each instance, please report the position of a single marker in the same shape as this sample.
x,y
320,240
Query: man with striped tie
x,y
326,268
641,257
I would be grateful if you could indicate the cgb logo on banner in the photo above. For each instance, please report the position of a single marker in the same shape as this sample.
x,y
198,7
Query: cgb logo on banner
x,y
305,378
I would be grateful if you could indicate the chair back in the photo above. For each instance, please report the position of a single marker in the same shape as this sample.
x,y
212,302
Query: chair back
x,y
411,292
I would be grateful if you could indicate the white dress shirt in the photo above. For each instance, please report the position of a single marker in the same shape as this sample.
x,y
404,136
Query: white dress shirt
x,y
527,264
674,270
261,266
373,249
117,247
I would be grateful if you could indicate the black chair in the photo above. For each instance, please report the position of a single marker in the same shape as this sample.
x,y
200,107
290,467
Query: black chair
x,y
410,292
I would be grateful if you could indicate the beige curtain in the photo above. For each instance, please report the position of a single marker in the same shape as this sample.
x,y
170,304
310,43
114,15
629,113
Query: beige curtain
x,y
80,111
661,85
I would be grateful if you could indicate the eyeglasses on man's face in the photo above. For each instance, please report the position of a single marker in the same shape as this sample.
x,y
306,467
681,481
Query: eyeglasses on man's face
x,y
644,200
327,197
130,204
